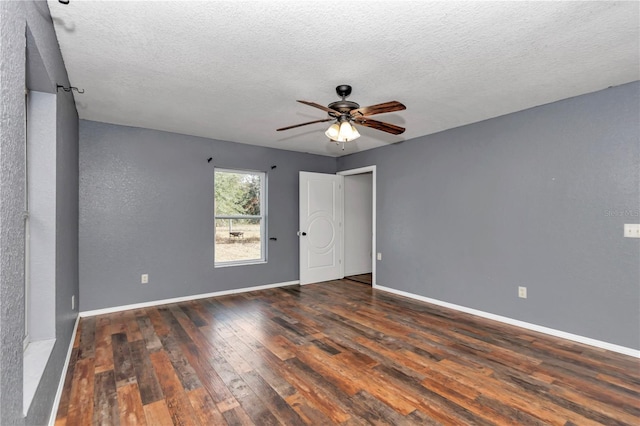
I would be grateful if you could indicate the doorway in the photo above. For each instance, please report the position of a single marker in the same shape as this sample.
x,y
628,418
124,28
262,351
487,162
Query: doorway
x,y
358,227
361,208
355,255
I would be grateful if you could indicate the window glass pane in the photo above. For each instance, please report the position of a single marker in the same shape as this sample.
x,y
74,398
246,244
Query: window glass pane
x,y
239,234
237,193
238,240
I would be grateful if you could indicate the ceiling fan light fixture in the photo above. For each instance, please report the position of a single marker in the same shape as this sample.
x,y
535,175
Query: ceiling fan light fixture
x,y
333,131
343,131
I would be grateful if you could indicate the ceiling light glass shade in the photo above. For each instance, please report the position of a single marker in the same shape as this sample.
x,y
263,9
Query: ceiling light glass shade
x,y
354,133
343,132
333,131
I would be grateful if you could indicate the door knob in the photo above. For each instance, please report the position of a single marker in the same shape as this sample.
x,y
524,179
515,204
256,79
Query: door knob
x,y
304,233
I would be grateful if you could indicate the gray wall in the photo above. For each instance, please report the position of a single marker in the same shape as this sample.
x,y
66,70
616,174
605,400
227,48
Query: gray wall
x,y
146,206
536,198
43,52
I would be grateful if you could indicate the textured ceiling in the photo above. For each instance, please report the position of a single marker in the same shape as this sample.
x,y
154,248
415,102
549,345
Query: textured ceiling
x,y
232,70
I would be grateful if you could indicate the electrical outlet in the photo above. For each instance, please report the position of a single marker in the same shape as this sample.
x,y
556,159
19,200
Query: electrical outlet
x,y
522,292
73,302
144,279
379,256
632,230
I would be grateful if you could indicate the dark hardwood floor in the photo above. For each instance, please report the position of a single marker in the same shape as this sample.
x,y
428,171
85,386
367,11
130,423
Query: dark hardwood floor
x,y
335,353
362,278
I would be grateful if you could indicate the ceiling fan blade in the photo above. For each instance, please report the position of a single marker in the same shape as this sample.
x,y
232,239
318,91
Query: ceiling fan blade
x,y
304,124
322,107
379,125
378,109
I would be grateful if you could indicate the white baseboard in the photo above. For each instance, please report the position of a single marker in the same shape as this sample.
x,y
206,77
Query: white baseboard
x,y
550,331
63,375
183,299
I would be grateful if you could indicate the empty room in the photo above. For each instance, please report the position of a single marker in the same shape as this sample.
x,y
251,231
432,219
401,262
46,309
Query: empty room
x,y
318,213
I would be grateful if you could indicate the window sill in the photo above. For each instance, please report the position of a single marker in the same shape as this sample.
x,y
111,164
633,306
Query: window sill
x,y
242,263
34,362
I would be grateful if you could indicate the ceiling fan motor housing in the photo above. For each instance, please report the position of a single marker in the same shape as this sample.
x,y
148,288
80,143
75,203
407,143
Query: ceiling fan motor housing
x,y
344,107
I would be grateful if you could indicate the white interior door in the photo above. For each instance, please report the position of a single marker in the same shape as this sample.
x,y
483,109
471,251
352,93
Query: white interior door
x,y
320,227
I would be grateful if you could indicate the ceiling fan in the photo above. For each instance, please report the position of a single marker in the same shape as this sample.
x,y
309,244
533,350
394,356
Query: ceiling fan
x,y
346,113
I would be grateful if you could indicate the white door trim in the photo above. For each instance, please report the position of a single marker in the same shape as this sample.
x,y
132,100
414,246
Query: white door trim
x,y
358,171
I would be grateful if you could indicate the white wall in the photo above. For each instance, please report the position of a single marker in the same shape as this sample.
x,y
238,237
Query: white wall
x,y
358,205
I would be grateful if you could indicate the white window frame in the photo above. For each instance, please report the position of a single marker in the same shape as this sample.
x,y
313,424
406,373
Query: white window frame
x,y
27,238
262,216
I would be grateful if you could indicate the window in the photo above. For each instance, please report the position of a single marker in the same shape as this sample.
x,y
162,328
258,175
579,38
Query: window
x,y
239,217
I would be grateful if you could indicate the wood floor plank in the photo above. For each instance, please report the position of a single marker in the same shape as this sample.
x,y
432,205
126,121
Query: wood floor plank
x,y
103,348
81,400
409,389
132,328
246,397
86,346
202,356
237,416
131,409
148,385
205,407
271,399
118,323
157,414
305,386
192,311
233,412
123,365
307,410
152,342
337,352
105,399
374,411
183,369
178,403
160,327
